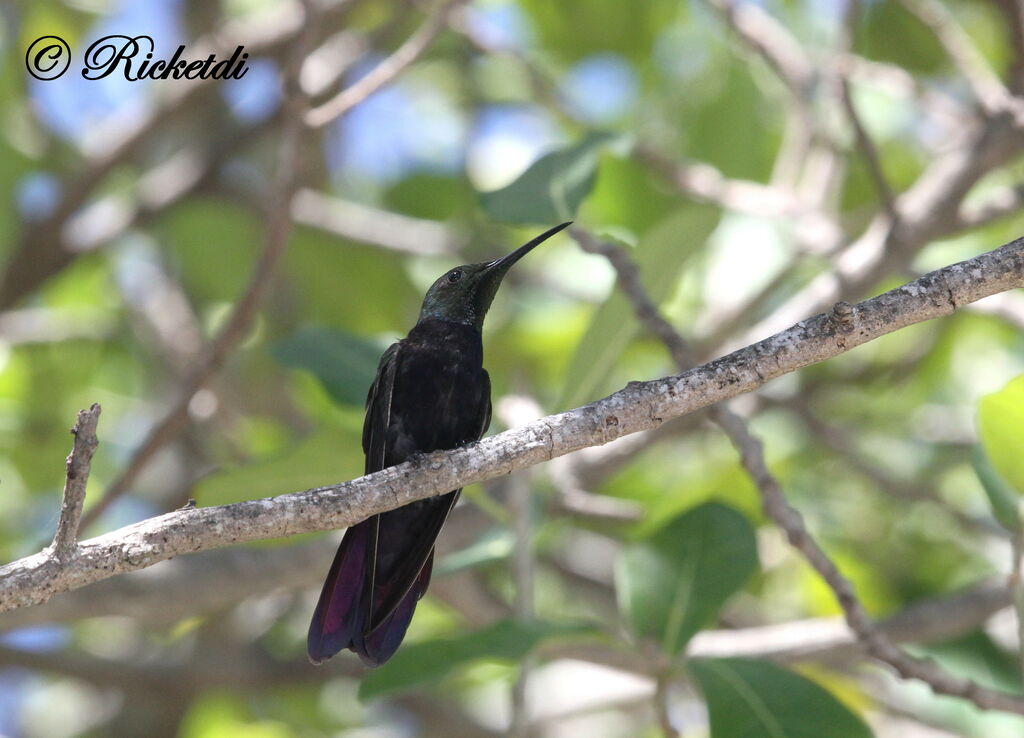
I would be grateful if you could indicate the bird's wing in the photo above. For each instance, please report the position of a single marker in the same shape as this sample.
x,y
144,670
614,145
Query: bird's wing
x,y
407,534
485,405
378,410
344,604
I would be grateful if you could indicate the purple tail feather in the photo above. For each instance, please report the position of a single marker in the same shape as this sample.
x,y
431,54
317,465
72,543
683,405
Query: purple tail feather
x,y
341,612
342,618
380,644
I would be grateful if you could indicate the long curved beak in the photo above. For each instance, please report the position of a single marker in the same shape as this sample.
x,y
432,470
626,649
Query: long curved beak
x,y
502,265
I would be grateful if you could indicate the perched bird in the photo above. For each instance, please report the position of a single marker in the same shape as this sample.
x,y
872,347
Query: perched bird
x,y
431,392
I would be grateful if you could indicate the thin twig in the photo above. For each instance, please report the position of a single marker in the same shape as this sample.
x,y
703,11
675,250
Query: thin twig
x,y
516,411
1013,14
867,148
1000,203
523,569
706,182
384,72
278,228
773,43
1017,590
357,222
78,463
46,247
662,685
776,506
986,87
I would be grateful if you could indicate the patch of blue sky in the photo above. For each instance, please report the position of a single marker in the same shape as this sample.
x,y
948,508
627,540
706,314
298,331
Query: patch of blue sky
x,y
37,195
15,686
257,95
403,128
506,139
500,24
601,88
38,639
73,107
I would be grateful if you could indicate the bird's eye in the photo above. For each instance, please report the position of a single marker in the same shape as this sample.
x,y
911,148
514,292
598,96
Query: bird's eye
x,y
454,275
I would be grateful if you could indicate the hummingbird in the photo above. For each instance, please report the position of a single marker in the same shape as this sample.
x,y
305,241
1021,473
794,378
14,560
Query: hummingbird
x,y
431,392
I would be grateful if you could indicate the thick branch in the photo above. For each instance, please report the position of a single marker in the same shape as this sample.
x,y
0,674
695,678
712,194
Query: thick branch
x,y
639,406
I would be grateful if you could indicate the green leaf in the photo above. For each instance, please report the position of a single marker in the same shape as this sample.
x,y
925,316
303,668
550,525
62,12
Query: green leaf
x,y
1000,419
346,364
672,584
748,698
552,188
660,255
325,457
1002,499
494,545
425,663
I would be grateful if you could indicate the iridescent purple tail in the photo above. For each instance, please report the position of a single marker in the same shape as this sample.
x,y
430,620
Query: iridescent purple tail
x,y
348,606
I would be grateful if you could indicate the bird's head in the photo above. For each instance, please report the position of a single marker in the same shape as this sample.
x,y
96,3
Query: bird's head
x,y
464,294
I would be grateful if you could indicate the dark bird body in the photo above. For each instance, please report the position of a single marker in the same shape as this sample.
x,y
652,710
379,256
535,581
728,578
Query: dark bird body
x,y
431,393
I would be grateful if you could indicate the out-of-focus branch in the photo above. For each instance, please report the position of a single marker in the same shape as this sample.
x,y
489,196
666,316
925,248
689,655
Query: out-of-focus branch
x,y
927,210
662,688
897,82
356,222
84,431
864,143
384,72
516,414
1013,15
776,506
47,246
986,87
772,42
705,182
278,228
999,203
835,438
831,639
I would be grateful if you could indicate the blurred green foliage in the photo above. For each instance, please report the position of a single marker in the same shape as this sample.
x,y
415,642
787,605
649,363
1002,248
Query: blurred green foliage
x,y
901,454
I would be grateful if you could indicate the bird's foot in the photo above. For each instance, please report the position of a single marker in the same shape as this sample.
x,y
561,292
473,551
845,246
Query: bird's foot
x,y
416,458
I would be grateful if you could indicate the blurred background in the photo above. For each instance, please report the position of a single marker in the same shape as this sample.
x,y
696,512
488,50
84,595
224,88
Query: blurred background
x,y
760,161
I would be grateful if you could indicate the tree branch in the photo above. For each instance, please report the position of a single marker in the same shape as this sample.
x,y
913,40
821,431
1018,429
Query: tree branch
x,y
985,85
384,72
48,246
639,406
84,431
278,228
777,507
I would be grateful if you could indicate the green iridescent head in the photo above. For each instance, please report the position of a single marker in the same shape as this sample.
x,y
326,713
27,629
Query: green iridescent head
x,y
464,294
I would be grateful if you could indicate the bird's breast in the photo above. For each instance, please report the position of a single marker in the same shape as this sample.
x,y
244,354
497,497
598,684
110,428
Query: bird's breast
x,y
439,388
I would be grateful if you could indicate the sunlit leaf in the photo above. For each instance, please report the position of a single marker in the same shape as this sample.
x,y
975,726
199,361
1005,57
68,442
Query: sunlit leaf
x,y
1002,499
672,584
749,698
494,545
1000,420
661,255
552,188
326,457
